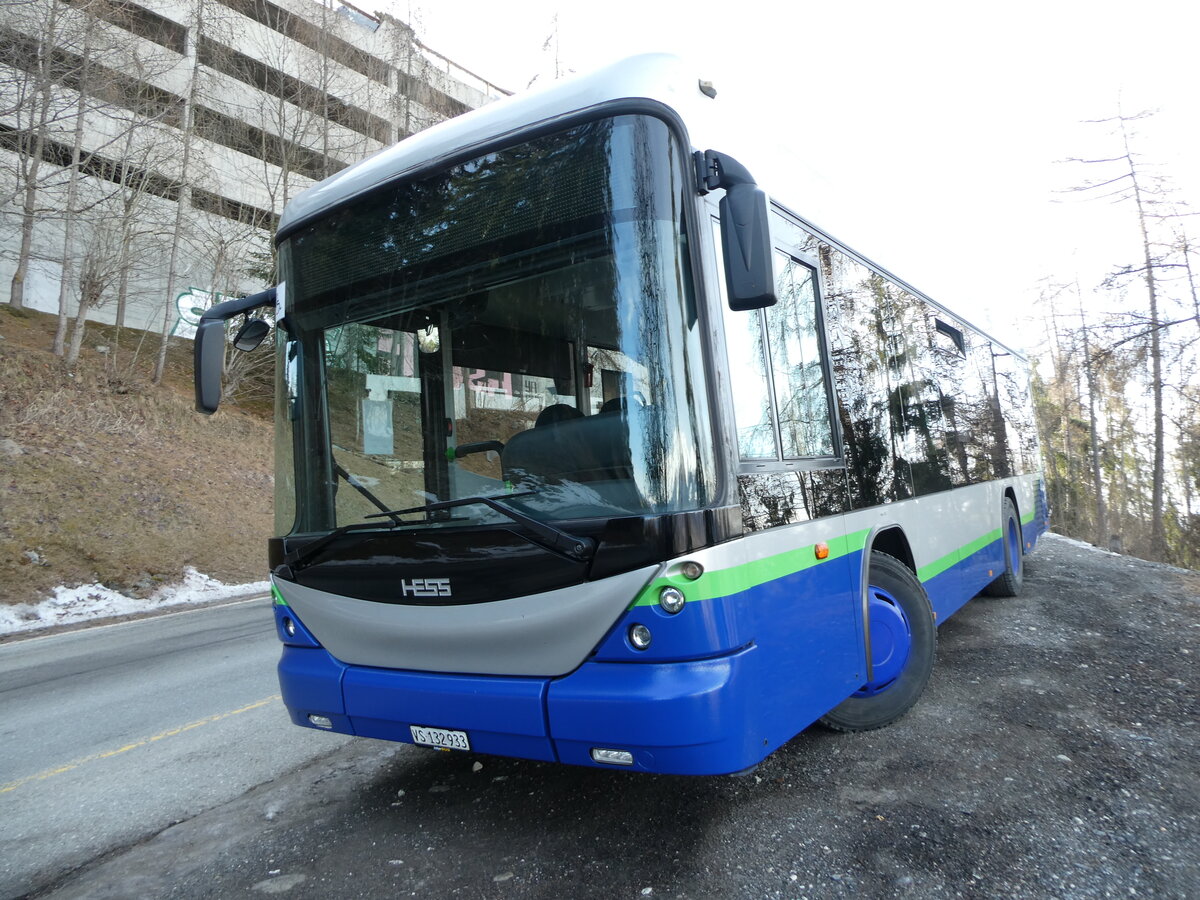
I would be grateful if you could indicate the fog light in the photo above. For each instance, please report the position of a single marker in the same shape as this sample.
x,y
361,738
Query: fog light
x,y
671,599
692,570
321,721
612,757
289,627
639,636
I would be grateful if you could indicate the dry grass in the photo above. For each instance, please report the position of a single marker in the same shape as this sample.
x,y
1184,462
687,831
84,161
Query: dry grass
x,y
112,480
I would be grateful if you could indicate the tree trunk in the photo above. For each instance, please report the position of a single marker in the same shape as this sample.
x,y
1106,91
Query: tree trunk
x,y
80,325
33,162
1093,431
160,363
16,296
1158,537
69,212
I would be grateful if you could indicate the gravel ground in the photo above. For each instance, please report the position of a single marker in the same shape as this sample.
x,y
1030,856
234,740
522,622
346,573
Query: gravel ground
x,y
1053,755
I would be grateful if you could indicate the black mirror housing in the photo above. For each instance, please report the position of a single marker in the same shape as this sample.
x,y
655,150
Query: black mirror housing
x,y
209,363
746,247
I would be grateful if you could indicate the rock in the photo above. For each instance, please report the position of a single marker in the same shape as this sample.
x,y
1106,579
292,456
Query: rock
x,y
280,885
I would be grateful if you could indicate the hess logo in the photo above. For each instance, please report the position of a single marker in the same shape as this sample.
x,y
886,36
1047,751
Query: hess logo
x,y
425,587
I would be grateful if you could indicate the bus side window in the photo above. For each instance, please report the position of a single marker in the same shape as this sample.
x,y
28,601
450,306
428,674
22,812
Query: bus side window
x,y
801,398
776,371
752,407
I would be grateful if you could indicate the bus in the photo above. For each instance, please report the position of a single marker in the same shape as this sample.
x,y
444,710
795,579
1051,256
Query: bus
x,y
589,450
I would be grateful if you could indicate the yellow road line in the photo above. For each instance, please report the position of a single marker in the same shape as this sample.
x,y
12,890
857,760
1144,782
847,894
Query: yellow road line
x,y
106,754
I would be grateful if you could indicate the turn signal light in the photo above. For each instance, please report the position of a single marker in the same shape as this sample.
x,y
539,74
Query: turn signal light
x,y
821,550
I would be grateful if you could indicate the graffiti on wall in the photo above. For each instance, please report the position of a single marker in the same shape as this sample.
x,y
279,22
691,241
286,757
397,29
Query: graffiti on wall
x,y
191,305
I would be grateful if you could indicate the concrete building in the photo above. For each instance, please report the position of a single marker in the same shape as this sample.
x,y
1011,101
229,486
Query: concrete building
x,y
189,123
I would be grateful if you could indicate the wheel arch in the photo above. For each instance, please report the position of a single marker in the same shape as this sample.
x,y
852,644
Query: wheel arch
x,y
1011,495
892,540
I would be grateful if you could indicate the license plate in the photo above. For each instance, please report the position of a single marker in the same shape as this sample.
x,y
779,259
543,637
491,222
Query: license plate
x,y
439,737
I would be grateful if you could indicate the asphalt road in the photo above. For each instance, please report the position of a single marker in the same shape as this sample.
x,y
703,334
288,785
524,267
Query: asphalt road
x,y
1053,755
109,735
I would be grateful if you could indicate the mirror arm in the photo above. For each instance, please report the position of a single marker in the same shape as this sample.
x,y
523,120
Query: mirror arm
x,y
226,310
719,170
209,348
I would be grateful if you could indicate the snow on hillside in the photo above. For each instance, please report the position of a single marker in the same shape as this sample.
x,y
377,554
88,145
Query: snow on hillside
x,y
87,602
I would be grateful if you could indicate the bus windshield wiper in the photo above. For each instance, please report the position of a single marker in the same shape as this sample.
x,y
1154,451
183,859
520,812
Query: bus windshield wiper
x,y
362,489
301,557
553,539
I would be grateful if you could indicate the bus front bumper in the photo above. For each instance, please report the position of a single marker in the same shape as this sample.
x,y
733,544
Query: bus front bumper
x,y
688,718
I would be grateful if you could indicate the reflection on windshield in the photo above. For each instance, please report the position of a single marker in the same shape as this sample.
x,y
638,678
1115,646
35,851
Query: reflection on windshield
x,y
522,323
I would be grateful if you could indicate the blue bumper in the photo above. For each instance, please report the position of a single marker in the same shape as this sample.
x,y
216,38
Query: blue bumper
x,y
687,718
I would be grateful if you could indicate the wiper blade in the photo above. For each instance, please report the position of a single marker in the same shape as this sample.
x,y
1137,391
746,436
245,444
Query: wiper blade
x,y
302,557
362,489
554,539
544,535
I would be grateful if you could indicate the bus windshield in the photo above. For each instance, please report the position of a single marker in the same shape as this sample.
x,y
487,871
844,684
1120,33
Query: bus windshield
x,y
521,324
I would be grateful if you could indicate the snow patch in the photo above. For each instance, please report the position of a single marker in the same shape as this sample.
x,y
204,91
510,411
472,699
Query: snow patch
x,y
70,605
1083,545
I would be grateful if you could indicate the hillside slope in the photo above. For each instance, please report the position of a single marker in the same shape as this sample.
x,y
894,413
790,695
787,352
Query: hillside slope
x,y
108,479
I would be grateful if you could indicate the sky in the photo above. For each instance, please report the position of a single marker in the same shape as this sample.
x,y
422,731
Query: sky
x,y
929,136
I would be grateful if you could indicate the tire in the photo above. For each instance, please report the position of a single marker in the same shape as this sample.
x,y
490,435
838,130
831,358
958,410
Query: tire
x,y
1010,580
904,643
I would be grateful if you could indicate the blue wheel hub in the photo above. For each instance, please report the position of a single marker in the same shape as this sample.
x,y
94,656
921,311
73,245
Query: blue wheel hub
x,y
891,641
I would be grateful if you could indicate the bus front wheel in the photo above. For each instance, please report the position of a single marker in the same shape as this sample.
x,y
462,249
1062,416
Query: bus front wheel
x,y
903,645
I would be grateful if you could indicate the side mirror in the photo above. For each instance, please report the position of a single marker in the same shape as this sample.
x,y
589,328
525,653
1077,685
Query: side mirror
x,y
745,233
209,359
250,335
209,362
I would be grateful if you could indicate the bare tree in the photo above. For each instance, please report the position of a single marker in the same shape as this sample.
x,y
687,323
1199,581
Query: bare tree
x,y
99,271
184,198
70,211
35,107
1132,184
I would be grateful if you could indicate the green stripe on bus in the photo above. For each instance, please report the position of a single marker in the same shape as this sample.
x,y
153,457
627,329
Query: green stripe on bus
x,y
735,579
1029,517
937,567
279,601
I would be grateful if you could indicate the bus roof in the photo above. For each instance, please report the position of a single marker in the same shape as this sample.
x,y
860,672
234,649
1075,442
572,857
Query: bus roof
x,y
658,76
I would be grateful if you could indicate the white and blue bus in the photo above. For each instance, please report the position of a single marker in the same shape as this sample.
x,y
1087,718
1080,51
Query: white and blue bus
x,y
589,452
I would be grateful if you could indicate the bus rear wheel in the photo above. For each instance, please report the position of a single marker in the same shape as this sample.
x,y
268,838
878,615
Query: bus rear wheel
x,y
903,646
1010,580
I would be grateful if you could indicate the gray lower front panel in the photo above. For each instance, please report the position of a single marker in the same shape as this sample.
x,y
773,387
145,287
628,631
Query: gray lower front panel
x,y
541,635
